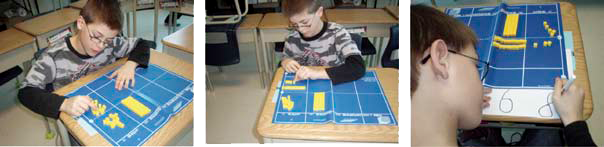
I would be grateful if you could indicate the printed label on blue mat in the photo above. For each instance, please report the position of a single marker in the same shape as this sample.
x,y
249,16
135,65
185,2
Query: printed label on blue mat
x,y
157,96
319,102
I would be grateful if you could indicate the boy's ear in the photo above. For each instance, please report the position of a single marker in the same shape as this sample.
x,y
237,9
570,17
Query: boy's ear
x,y
439,53
320,11
80,22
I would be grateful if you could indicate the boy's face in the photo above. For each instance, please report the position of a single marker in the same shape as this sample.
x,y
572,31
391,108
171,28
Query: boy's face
x,y
470,89
95,36
305,23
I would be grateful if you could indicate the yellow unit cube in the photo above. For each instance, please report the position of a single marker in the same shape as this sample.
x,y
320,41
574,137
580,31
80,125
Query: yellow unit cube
x,y
113,120
289,81
535,45
319,101
136,106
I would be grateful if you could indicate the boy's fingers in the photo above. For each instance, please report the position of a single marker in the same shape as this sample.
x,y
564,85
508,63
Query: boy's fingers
x,y
113,75
126,83
558,87
133,80
487,90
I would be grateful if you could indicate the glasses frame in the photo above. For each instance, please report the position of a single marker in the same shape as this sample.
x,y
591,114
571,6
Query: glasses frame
x,y
295,26
483,73
105,43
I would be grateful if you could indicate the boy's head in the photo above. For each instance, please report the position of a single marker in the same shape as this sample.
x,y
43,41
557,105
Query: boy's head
x,y
99,22
304,15
439,67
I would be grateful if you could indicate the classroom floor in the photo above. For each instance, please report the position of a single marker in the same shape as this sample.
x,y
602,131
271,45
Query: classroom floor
x,y
20,126
234,105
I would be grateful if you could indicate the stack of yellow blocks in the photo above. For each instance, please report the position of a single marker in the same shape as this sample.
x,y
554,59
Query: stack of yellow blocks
x,y
113,120
509,44
511,25
287,103
135,106
550,31
100,108
319,101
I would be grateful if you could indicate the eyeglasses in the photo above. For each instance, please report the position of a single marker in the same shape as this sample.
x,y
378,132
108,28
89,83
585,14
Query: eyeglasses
x,y
482,66
107,42
296,26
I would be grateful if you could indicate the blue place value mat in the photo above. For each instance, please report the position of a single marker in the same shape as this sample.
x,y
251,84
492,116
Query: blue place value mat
x,y
533,68
357,102
163,92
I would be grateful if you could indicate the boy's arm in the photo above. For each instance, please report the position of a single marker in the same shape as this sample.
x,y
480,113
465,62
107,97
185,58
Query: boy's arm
x,y
32,94
352,70
577,134
137,50
353,67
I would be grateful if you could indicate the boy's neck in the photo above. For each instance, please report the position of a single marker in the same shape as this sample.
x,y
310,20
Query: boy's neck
x,y
316,31
431,122
77,44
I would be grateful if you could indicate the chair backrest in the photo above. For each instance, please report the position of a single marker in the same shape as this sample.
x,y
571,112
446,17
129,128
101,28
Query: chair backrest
x,y
222,53
392,45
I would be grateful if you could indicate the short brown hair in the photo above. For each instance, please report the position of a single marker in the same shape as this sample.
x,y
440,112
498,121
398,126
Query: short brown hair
x,y
429,24
104,11
291,7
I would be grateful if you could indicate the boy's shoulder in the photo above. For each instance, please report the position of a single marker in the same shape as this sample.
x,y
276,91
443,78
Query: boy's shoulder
x,y
56,47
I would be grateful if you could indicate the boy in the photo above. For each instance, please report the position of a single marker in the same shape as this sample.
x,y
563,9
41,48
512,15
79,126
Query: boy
x,y
318,43
94,46
446,89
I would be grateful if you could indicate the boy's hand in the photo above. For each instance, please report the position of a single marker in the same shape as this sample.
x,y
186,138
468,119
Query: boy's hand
x,y
569,103
124,75
290,65
308,73
486,99
77,105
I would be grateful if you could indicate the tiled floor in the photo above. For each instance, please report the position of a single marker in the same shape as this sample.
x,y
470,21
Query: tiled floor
x,y
20,126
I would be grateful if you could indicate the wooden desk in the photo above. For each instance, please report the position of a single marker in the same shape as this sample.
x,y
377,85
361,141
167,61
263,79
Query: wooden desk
x,y
377,21
47,25
392,10
79,4
331,132
17,47
173,128
570,23
180,44
248,32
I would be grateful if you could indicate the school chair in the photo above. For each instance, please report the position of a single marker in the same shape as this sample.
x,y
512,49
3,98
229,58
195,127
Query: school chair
x,y
222,50
387,60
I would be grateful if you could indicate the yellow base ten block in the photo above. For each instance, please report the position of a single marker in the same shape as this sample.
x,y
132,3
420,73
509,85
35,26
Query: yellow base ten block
x,y
113,120
511,25
294,87
287,103
289,81
100,108
319,101
135,106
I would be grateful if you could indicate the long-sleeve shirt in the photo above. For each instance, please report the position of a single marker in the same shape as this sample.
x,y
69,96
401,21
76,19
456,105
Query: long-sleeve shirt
x,y
333,47
577,134
60,64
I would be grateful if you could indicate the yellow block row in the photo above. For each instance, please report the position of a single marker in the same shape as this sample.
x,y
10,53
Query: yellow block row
x,y
509,41
509,47
294,87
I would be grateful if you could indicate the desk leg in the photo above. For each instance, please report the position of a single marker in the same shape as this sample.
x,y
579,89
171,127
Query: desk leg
x,y
258,58
156,3
134,22
265,64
